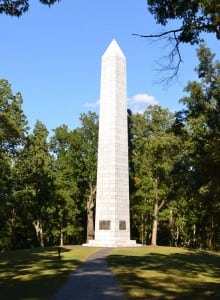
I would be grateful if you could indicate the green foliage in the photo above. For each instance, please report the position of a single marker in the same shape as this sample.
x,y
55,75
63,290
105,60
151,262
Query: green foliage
x,y
175,163
89,147
75,177
67,207
89,139
153,152
202,123
34,188
195,16
13,122
19,7
13,126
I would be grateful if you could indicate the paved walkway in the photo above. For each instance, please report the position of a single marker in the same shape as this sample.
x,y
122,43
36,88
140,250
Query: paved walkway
x,y
91,281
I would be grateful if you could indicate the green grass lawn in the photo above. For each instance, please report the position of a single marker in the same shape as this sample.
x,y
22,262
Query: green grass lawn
x,y
37,273
167,273
144,273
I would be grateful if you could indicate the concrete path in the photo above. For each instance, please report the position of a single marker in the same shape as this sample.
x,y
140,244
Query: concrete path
x,y
91,281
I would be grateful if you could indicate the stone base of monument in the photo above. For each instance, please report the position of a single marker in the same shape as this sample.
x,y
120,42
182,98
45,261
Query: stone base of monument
x,y
112,244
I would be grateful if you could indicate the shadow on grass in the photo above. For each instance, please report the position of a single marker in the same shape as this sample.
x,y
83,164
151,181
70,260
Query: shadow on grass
x,y
33,274
188,275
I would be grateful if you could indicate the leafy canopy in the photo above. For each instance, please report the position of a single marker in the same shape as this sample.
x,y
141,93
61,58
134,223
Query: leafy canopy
x,y
194,18
197,16
18,7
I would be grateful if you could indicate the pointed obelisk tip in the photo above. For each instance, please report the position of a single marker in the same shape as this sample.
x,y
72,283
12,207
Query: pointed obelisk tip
x,y
113,50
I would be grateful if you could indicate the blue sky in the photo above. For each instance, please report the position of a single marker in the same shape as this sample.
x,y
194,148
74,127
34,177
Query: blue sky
x,y
53,57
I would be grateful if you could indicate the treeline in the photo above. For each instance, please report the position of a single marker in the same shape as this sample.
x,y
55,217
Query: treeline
x,y
47,185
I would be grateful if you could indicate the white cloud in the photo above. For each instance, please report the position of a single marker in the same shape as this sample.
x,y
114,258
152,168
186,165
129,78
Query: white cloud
x,y
91,104
139,102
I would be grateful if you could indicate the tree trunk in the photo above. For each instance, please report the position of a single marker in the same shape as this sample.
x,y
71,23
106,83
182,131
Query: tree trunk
x,y
177,236
90,213
155,224
142,230
39,231
171,228
194,235
61,236
210,234
157,208
90,227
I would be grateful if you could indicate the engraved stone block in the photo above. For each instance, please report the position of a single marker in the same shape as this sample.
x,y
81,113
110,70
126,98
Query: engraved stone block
x,y
104,225
122,225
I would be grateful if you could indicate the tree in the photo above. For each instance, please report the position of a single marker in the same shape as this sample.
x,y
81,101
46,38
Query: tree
x,y
66,208
75,173
13,126
195,17
19,7
35,179
201,121
154,149
13,123
89,149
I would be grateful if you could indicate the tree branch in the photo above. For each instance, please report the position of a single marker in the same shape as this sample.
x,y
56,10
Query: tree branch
x,y
161,205
159,35
174,56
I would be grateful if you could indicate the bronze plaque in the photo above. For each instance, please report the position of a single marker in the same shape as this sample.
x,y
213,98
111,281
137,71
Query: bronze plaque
x,y
122,225
104,225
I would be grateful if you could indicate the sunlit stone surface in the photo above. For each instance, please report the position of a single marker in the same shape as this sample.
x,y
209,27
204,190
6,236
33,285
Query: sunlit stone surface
x,y
112,223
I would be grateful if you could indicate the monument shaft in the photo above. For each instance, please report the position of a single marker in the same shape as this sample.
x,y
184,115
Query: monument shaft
x,y
112,223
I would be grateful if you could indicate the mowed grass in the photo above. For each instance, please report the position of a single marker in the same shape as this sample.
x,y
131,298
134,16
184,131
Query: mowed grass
x,y
37,273
143,273
166,273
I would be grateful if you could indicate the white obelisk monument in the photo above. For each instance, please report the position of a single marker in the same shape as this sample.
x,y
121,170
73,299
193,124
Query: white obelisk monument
x,y
112,221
